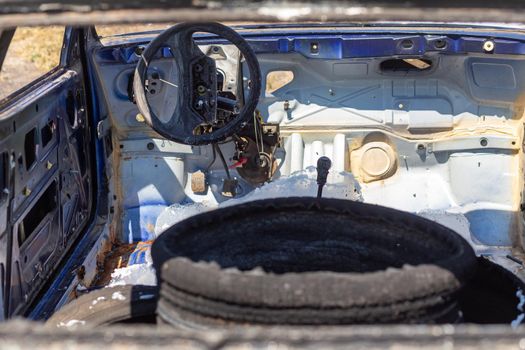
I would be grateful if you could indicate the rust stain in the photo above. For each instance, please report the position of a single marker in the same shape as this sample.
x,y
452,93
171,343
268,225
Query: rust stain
x,y
117,258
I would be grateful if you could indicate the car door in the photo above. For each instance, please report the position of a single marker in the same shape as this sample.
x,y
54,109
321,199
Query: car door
x,y
45,158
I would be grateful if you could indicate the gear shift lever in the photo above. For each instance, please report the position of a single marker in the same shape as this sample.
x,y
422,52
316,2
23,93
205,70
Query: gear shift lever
x,y
323,165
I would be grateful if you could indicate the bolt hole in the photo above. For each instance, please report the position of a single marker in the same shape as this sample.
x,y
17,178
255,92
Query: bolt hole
x,y
314,48
488,46
139,50
483,142
407,44
150,146
440,44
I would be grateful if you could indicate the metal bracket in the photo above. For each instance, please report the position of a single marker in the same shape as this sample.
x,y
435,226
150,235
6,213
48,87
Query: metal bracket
x,y
103,128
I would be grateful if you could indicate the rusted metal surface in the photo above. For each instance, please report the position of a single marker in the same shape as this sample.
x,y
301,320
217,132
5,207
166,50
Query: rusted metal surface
x,y
19,334
115,259
21,13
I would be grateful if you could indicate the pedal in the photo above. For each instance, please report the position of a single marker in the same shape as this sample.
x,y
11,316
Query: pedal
x,y
229,187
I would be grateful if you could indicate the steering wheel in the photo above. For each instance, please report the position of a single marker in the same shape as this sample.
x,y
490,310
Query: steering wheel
x,y
194,120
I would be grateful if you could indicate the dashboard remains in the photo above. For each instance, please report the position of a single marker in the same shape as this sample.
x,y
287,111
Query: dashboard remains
x,y
424,122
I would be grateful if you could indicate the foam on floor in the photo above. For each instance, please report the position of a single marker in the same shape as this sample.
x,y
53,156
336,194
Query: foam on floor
x,y
300,184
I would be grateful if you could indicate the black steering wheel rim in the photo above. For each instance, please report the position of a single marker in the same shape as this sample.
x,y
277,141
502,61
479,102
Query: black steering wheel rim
x,y
167,129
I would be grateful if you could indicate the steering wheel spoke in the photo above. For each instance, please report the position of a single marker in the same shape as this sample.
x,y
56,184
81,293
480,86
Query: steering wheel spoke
x,y
195,119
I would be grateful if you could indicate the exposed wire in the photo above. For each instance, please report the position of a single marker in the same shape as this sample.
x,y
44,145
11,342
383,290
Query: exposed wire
x,y
168,82
218,149
261,137
256,132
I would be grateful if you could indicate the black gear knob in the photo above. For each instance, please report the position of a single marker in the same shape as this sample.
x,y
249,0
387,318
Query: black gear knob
x,y
323,166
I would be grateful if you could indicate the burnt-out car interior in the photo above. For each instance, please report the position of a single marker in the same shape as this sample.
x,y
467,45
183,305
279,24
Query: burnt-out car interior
x,y
237,176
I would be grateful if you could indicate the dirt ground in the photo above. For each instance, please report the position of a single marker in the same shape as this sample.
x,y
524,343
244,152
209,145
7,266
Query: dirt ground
x,y
32,53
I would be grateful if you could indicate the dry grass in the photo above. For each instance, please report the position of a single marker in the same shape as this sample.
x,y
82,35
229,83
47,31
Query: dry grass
x,y
32,52
39,45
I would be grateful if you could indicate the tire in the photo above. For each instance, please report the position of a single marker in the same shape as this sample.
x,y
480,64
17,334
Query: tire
x,y
307,261
128,303
490,296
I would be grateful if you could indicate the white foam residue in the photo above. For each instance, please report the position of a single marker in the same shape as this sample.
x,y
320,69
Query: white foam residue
x,y
515,323
303,184
118,296
178,212
71,323
300,184
134,274
521,297
94,302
